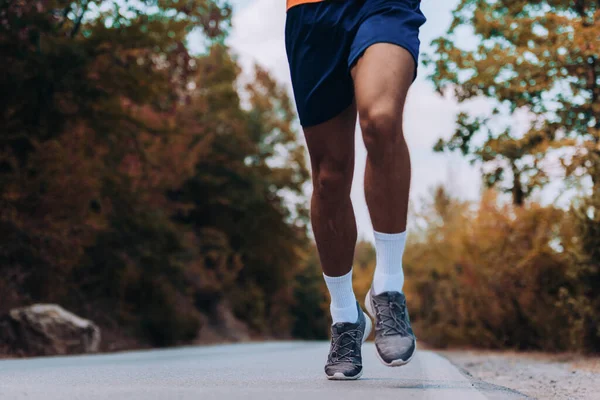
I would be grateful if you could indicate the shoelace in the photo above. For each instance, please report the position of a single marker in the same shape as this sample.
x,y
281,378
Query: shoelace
x,y
342,347
393,324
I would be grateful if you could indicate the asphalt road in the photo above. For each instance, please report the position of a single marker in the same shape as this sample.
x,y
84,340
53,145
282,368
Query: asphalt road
x,y
289,370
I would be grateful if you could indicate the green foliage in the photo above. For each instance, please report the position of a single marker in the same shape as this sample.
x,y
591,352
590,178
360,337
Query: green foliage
x,y
311,306
535,57
134,268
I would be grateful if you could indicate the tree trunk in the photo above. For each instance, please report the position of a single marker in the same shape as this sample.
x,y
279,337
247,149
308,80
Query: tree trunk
x,y
518,195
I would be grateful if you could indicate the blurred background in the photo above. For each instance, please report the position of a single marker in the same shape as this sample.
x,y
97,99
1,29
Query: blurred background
x,y
153,175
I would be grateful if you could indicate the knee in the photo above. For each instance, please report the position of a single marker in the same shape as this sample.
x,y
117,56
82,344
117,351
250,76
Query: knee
x,y
381,126
332,181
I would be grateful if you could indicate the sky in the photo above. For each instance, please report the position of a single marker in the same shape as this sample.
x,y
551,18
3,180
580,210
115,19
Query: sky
x,y
258,37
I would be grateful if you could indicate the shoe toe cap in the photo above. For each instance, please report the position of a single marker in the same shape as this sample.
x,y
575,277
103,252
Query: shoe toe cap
x,y
394,348
347,369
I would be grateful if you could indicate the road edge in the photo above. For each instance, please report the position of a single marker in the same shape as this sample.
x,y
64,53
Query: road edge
x,y
484,386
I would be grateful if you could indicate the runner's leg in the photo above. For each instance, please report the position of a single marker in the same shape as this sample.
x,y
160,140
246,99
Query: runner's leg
x,y
331,149
380,96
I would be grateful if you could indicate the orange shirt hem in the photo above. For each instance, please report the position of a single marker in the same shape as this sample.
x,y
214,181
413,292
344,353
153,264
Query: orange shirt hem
x,y
292,3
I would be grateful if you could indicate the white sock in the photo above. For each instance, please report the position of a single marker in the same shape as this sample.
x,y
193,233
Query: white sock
x,y
343,302
389,276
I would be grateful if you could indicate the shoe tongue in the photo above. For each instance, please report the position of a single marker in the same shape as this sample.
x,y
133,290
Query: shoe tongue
x,y
341,327
392,296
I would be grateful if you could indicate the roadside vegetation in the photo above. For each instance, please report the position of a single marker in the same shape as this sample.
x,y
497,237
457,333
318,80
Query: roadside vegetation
x,y
136,188
148,188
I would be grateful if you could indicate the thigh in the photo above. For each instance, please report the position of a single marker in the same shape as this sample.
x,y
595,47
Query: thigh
x,y
384,53
396,22
378,90
318,49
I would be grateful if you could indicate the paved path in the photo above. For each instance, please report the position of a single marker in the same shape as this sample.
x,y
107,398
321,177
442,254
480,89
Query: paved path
x,y
289,370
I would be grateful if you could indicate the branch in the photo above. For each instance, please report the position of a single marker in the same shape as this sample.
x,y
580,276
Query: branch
x,y
592,86
64,15
580,8
79,19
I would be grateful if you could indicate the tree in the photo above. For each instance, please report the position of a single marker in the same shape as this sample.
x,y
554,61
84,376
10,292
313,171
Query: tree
x,y
87,87
135,186
540,57
501,153
240,187
86,62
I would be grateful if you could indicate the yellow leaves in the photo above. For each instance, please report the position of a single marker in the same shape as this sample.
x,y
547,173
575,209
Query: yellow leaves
x,y
488,268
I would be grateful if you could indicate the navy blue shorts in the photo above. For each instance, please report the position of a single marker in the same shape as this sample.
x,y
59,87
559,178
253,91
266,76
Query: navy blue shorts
x,y
324,40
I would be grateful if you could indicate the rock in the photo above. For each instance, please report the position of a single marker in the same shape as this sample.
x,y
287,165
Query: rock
x,y
47,329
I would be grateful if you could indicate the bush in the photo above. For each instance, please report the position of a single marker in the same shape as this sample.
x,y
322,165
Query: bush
x,y
498,276
494,276
134,270
311,307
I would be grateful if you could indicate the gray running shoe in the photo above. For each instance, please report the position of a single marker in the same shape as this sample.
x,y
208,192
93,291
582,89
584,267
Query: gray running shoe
x,y
345,357
394,338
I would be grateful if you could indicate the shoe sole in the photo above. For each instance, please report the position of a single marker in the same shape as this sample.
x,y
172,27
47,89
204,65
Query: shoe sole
x,y
338,376
394,363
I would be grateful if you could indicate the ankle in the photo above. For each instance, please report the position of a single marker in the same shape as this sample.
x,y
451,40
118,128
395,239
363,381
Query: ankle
x,y
343,300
